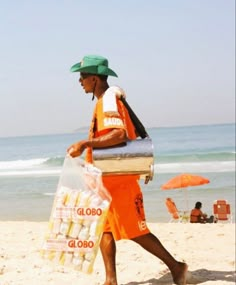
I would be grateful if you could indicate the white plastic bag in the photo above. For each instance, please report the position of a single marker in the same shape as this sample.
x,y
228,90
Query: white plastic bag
x,y
77,217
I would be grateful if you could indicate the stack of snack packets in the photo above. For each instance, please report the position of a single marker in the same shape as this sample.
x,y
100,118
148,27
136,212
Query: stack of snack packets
x,y
78,214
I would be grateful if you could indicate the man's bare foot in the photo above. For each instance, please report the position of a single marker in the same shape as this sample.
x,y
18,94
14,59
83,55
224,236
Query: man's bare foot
x,y
179,273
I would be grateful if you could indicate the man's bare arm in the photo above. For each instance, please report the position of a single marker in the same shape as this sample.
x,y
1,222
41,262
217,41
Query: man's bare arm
x,y
114,137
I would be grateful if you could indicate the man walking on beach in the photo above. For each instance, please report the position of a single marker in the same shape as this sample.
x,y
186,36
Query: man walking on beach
x,y
111,126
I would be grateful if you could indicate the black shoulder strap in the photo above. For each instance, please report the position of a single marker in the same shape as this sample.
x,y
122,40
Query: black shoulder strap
x,y
138,125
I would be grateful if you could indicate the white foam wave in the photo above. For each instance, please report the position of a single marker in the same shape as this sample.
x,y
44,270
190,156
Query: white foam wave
x,y
41,172
213,166
17,168
20,164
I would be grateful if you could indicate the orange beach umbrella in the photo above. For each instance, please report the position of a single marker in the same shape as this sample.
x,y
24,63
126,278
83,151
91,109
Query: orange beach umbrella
x,y
183,181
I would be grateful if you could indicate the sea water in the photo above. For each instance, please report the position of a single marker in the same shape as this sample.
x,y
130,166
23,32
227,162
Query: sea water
x,y
30,168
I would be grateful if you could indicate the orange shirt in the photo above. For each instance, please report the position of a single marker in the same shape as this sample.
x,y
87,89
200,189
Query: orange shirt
x,y
109,113
126,217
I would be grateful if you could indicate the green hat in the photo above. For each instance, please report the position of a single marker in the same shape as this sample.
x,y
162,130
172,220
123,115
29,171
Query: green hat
x,y
94,64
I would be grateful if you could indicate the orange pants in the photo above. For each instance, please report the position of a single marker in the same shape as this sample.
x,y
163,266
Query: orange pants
x,y
126,216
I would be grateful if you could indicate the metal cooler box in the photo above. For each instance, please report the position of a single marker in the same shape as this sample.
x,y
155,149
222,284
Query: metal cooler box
x,y
136,157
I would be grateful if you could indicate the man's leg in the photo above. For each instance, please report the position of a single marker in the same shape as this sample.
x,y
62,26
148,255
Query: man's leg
x,y
152,244
108,250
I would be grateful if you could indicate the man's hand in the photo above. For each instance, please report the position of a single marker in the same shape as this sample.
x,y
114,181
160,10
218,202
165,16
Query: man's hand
x,y
77,149
112,138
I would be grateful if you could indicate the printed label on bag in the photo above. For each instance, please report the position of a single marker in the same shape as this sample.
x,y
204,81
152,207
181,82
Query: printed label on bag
x,y
68,244
77,213
73,244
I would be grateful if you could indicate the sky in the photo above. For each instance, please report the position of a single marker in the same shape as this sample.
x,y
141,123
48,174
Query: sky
x,y
175,60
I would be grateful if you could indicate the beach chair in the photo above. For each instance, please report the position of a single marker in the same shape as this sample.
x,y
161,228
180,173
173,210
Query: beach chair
x,y
176,215
222,211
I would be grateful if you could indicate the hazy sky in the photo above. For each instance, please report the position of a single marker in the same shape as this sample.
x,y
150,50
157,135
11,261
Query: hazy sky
x,y
175,59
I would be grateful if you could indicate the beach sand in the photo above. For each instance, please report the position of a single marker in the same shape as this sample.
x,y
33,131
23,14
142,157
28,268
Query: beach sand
x,y
209,250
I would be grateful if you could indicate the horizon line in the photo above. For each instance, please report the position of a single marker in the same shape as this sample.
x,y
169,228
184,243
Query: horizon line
x,y
78,130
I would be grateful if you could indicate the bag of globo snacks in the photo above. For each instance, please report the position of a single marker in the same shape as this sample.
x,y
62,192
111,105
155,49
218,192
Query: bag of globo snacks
x,y
77,217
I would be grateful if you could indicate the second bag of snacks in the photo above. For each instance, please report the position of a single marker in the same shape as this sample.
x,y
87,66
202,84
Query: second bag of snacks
x,y
77,217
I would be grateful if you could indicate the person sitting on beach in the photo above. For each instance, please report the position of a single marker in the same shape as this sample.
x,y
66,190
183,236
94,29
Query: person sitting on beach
x,y
197,216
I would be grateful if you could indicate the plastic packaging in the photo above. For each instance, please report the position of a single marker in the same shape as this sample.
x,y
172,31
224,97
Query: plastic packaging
x,y
77,217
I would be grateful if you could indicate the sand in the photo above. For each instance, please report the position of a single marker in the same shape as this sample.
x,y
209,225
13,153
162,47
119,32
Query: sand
x,y
209,250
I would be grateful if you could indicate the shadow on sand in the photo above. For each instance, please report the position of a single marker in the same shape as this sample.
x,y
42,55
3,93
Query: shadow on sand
x,y
194,277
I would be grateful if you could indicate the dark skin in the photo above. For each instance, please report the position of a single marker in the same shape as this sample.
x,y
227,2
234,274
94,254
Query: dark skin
x,y
94,84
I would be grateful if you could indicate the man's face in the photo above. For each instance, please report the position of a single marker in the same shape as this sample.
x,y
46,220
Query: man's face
x,y
88,82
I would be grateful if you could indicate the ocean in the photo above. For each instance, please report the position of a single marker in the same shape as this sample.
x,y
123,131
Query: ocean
x,y
30,168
